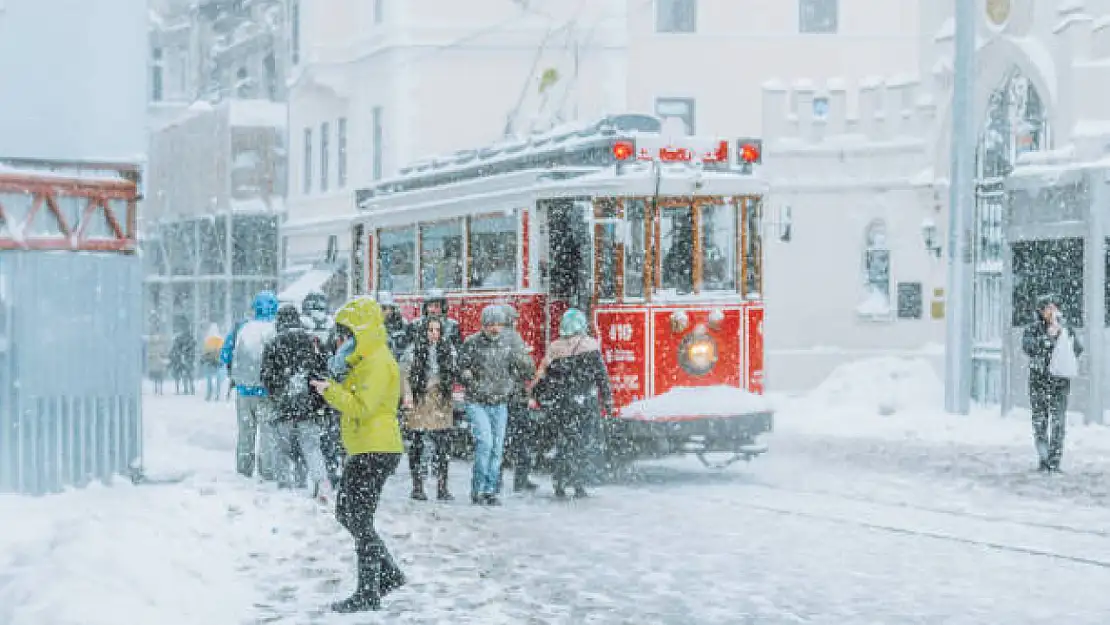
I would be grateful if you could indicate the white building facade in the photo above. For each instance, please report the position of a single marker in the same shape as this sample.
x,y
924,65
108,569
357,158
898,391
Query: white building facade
x,y
864,169
378,85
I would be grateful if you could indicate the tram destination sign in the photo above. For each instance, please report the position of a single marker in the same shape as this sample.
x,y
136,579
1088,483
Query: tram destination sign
x,y
691,151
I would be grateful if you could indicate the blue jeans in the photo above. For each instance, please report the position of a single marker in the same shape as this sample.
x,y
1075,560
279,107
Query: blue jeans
x,y
488,426
213,380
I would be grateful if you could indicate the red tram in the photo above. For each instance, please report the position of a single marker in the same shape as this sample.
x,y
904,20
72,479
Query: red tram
x,y
657,238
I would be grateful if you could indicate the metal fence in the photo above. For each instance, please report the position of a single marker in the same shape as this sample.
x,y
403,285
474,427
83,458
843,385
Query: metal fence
x,y
70,368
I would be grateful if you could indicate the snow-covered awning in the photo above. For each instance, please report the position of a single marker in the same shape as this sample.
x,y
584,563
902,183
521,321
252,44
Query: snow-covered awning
x,y
311,280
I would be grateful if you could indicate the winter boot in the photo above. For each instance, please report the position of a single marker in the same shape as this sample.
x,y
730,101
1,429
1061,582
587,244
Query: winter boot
x,y
490,499
442,493
392,577
368,595
418,488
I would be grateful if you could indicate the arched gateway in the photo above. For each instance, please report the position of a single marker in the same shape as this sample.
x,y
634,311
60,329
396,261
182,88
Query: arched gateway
x,y
1015,122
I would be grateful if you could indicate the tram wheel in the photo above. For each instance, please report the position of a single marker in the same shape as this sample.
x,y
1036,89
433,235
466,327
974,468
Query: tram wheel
x,y
719,460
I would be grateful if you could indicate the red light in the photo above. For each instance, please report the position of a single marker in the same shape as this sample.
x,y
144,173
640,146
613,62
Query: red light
x,y
749,153
623,150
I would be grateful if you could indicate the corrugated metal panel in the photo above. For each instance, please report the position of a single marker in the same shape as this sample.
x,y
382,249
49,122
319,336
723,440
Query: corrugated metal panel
x,y
70,368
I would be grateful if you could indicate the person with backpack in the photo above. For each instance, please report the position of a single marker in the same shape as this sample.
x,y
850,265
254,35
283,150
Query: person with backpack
x,y
289,362
242,353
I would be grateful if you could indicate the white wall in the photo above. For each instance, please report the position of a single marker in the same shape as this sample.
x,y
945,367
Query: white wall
x,y
739,44
73,82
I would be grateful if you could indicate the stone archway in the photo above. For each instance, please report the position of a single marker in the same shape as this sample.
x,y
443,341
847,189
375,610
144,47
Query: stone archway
x,y
1015,122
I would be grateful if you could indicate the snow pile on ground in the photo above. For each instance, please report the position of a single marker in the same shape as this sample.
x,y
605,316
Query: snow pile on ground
x,y
883,385
903,399
705,401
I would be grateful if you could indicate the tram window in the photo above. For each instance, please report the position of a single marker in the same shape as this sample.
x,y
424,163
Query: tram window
x,y
676,249
606,255
397,260
441,255
493,251
718,246
634,253
753,253
571,249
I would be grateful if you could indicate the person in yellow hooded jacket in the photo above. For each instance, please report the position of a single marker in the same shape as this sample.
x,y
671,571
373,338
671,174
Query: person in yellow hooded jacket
x,y
365,387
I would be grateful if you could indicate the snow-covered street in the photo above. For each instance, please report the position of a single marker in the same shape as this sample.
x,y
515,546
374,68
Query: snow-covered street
x,y
870,525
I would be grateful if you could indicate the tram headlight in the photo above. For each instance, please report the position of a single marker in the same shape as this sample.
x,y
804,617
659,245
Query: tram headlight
x,y
698,354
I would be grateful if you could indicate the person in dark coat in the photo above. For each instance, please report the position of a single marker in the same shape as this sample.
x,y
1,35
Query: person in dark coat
x,y
1048,392
183,356
572,385
429,380
321,327
289,361
396,328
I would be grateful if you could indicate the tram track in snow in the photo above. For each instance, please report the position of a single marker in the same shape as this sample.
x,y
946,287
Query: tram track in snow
x,y
979,516
993,532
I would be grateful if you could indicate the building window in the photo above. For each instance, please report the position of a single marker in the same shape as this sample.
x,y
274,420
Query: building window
x,y
676,16
379,11
324,148
376,143
157,75
307,161
876,272
493,251
341,152
295,32
817,16
911,303
682,108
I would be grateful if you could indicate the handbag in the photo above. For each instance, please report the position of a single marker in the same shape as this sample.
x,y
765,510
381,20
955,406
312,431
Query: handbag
x,y
1064,363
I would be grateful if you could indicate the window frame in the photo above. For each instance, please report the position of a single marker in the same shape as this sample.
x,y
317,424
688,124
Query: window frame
x,y
341,152
306,164
157,74
295,32
380,247
872,248
377,139
463,253
673,24
325,140
514,217
807,10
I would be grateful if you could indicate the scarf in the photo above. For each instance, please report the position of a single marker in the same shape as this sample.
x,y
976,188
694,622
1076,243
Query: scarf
x,y
337,364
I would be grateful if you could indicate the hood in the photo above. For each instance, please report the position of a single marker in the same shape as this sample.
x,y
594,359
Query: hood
x,y
288,318
363,317
1043,302
568,346
214,330
265,306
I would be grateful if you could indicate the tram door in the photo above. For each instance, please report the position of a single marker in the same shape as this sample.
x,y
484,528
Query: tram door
x,y
567,267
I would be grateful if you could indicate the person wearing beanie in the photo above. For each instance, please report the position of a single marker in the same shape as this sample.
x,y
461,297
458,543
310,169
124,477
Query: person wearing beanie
x,y
488,368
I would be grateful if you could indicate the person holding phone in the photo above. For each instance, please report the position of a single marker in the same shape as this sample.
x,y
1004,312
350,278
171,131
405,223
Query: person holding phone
x,y
365,387
1052,365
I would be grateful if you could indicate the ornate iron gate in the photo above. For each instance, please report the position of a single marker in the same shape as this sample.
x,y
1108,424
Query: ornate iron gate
x,y
1015,123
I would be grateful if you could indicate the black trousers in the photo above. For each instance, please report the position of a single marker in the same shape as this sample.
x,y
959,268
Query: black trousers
x,y
440,439
520,442
360,490
572,438
1048,398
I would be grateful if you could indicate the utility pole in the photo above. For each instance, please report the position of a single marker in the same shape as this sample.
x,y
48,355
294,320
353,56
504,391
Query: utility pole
x,y
961,209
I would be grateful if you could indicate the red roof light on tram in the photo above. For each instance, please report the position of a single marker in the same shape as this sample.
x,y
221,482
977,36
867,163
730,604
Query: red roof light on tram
x,y
623,150
751,152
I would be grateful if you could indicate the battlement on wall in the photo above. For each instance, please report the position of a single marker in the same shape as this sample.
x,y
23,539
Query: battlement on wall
x,y
882,110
